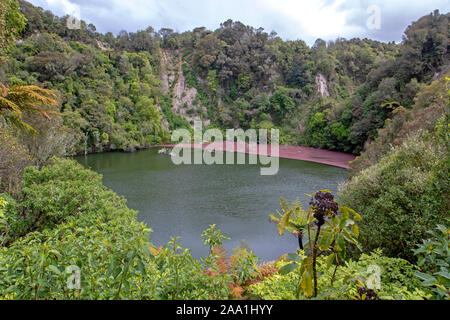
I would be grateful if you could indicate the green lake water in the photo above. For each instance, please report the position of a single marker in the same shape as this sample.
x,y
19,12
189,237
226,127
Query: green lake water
x,y
182,201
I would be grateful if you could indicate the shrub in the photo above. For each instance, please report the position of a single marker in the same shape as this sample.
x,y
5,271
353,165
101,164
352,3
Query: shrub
x,y
212,237
49,196
243,265
14,158
103,239
429,106
434,259
87,228
393,196
397,280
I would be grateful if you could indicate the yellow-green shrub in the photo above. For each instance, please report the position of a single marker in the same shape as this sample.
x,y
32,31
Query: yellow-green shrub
x,y
397,280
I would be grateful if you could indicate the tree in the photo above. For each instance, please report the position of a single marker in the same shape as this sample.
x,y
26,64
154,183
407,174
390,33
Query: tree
x,y
425,47
53,139
14,158
12,22
16,100
397,196
281,104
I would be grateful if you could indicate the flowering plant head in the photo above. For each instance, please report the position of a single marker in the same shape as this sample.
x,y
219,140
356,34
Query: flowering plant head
x,y
323,205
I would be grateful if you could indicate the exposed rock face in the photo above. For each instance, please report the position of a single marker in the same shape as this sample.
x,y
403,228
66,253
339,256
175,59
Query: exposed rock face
x,y
183,97
322,85
102,46
181,94
164,121
164,74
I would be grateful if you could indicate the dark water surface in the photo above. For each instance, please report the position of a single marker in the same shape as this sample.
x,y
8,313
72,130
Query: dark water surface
x,y
182,201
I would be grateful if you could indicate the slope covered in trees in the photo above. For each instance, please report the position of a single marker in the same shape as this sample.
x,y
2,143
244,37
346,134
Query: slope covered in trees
x,y
127,91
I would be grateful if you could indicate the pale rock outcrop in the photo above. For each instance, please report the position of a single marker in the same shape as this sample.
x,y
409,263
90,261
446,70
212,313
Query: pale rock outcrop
x,y
322,85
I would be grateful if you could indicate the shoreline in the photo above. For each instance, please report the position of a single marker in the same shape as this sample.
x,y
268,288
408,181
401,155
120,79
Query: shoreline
x,y
332,158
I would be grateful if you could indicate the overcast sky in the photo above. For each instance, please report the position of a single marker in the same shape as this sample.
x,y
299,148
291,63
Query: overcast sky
x,y
383,20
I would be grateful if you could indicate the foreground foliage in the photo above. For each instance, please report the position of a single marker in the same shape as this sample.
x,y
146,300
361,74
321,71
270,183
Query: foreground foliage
x,y
402,196
328,227
397,280
434,259
74,222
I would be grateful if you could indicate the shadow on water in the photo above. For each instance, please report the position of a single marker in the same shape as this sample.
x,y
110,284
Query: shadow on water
x,y
182,201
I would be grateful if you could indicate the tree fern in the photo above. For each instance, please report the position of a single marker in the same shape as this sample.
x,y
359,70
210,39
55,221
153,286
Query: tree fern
x,y
17,99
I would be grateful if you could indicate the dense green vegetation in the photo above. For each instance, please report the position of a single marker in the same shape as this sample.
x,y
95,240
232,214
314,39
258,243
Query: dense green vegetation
x,y
120,92
402,196
66,92
397,278
108,101
86,225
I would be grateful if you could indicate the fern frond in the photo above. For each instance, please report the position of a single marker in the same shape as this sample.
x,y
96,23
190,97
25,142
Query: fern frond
x,y
16,121
6,104
221,258
18,99
31,96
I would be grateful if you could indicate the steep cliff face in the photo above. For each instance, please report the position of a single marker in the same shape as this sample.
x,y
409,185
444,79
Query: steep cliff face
x,y
173,82
322,85
164,72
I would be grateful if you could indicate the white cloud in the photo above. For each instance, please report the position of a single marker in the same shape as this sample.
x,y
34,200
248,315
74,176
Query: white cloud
x,y
313,18
292,19
65,6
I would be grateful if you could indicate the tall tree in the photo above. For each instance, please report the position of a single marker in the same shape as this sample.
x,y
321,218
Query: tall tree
x,y
16,100
12,22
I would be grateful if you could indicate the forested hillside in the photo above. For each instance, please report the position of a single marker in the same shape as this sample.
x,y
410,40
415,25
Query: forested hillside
x,y
127,91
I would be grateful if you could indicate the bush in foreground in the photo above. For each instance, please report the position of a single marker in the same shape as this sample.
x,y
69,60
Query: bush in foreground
x,y
82,226
397,280
401,197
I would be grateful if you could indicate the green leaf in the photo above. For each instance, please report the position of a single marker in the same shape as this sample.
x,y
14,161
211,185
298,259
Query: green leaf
x,y
307,284
340,242
294,257
340,246
326,240
306,265
331,260
355,230
344,218
425,277
335,221
443,229
283,223
54,269
55,252
444,274
288,268
140,266
347,236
